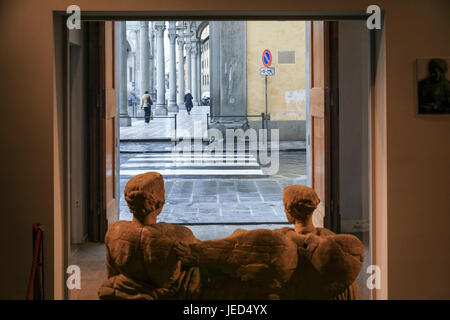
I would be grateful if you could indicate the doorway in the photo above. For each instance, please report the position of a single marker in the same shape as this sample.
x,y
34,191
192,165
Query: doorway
x,y
230,188
240,193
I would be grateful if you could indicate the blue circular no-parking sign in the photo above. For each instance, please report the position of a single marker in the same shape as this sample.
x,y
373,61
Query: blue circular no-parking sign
x,y
267,58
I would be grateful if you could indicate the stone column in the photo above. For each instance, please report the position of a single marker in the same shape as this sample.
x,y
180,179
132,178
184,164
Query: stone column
x,y
122,99
137,77
228,67
187,37
152,60
145,56
199,70
161,108
194,73
172,34
215,35
180,58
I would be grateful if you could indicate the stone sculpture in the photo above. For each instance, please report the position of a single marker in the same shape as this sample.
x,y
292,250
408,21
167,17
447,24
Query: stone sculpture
x,y
150,260
140,260
328,263
301,263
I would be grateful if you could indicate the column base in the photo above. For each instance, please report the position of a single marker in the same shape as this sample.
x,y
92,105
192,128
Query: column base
x,y
195,102
125,121
182,106
172,108
161,110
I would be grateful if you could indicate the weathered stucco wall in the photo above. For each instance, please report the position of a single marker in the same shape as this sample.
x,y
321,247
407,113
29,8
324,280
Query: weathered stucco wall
x,y
287,89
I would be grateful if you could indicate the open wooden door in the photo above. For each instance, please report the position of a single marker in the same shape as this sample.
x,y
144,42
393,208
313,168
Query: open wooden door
x,y
323,121
109,125
102,90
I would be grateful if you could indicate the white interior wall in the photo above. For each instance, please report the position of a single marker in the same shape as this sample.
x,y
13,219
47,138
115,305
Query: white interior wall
x,y
353,125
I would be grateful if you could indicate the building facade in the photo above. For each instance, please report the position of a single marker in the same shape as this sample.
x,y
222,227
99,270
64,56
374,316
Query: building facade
x,y
221,60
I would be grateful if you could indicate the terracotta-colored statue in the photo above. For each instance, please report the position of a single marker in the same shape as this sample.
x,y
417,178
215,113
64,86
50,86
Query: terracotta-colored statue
x,y
140,260
328,263
300,263
248,264
150,260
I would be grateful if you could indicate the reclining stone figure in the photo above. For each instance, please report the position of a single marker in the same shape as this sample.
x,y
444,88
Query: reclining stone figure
x,y
149,260
143,256
314,263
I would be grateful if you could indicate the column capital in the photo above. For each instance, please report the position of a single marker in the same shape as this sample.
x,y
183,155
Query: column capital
x,y
152,34
172,37
172,31
160,26
180,42
194,45
180,30
187,42
187,36
180,27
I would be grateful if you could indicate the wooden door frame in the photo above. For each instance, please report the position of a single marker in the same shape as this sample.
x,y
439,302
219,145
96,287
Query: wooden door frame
x,y
96,218
60,62
332,219
100,117
327,94
332,215
109,126
331,201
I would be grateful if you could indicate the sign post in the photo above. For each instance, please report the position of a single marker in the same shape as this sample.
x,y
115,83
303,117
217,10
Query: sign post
x,y
265,115
266,71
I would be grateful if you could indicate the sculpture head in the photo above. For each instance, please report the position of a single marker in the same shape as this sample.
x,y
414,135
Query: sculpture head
x,y
299,204
144,194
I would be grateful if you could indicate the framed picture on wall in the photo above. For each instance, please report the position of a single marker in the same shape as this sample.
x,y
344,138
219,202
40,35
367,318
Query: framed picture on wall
x,y
433,85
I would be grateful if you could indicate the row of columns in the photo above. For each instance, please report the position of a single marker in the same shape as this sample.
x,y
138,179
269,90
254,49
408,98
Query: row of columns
x,y
189,44
183,44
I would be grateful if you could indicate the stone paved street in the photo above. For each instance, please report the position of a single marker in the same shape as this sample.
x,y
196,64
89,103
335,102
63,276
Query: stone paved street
x,y
207,189
164,128
192,164
237,198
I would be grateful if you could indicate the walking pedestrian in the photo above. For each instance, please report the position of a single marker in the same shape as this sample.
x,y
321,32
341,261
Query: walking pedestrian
x,y
188,101
146,104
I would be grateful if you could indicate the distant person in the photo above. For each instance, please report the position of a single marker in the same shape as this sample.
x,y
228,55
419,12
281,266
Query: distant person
x,y
146,104
188,101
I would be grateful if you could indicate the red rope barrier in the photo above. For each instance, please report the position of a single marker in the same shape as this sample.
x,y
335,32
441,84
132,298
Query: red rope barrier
x,y
35,278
